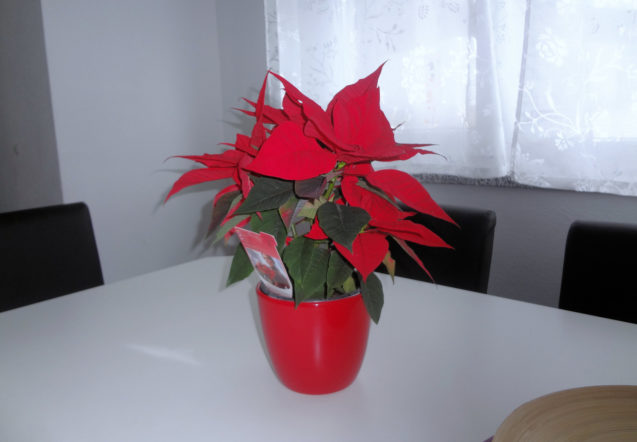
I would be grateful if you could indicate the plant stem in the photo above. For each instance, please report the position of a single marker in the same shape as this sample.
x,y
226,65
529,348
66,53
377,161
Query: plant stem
x,y
330,187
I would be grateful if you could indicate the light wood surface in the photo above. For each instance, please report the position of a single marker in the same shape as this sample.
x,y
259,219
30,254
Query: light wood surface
x,y
588,414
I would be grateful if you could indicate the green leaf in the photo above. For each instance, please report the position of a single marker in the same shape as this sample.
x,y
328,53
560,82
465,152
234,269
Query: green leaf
x,y
342,223
220,210
241,266
311,188
267,193
298,250
338,271
270,222
390,265
310,208
232,222
372,292
307,266
349,285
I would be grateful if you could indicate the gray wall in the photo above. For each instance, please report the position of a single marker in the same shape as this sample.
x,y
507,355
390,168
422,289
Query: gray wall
x,y
242,60
29,171
530,234
132,83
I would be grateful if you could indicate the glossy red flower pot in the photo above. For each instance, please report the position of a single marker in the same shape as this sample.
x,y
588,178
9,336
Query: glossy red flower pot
x,y
318,347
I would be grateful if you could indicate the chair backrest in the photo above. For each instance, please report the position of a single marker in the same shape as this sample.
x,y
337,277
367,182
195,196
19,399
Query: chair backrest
x,y
599,273
467,266
46,252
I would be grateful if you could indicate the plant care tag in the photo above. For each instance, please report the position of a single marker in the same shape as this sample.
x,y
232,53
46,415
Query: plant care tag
x,y
262,252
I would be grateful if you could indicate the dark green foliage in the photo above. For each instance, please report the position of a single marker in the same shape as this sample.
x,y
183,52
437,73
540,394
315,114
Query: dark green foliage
x,y
267,193
307,265
241,266
342,223
338,270
372,292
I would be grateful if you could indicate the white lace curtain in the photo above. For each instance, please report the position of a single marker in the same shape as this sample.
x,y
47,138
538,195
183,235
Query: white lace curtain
x,y
542,90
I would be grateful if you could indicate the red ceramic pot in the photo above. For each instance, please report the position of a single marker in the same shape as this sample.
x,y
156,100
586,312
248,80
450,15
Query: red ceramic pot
x,y
318,347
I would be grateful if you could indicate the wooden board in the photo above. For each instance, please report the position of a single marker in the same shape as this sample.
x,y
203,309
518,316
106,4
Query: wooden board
x,y
600,413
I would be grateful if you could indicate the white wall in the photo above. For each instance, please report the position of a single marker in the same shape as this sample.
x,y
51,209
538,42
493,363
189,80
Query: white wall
x,y
132,83
29,171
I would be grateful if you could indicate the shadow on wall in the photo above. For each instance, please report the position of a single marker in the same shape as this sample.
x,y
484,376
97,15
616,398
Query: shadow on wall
x,y
29,167
242,60
203,240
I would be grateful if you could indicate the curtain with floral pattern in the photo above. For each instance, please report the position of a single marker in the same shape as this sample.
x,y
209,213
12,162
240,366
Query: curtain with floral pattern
x,y
544,91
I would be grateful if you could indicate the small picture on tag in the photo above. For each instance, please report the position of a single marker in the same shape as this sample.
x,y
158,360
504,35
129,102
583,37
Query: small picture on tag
x,y
262,252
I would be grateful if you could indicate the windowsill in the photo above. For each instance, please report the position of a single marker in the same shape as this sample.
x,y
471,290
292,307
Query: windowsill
x,y
504,181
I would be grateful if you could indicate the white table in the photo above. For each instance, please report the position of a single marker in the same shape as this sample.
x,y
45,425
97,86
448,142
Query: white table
x,y
173,356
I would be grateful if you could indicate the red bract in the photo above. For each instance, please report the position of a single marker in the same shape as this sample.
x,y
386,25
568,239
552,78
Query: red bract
x,y
359,169
228,158
301,158
290,155
316,232
369,249
242,177
407,189
377,206
357,129
410,231
243,144
360,123
198,176
387,218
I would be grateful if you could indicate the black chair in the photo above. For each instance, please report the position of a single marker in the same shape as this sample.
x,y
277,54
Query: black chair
x,y
599,276
46,252
467,266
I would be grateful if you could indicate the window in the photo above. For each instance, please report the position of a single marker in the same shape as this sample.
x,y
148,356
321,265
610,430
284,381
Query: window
x,y
543,91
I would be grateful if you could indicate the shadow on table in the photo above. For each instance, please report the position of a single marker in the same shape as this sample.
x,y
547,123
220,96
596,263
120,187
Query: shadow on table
x,y
254,308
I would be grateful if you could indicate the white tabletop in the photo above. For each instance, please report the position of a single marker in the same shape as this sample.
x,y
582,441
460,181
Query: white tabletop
x,y
173,356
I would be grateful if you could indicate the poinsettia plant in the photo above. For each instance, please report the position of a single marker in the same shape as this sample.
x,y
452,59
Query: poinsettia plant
x,y
305,175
